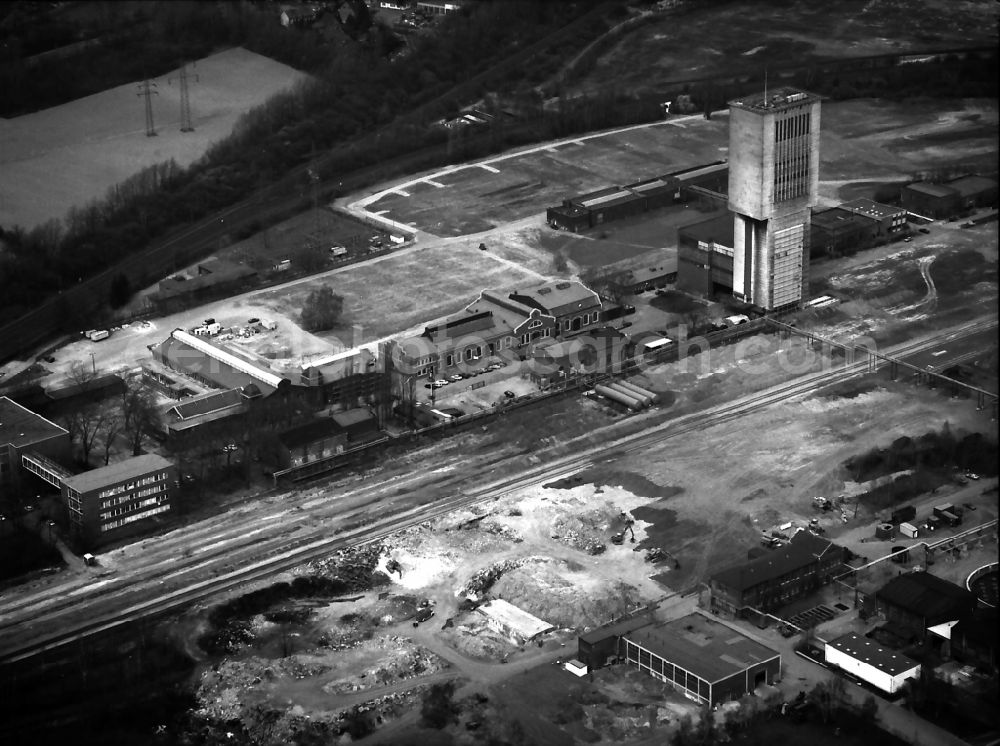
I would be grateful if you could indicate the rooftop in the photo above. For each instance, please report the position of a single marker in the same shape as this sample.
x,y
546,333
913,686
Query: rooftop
x,y
617,197
775,99
970,185
837,219
309,433
927,596
709,649
205,403
618,628
20,427
717,230
934,190
131,468
515,619
558,297
190,353
804,549
872,209
656,184
870,652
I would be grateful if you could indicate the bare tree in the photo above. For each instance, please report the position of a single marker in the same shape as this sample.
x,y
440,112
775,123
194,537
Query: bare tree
x,y
80,373
85,424
138,412
112,426
829,696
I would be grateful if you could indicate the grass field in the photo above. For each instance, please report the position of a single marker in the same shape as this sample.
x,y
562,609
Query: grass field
x,y
68,155
403,290
740,36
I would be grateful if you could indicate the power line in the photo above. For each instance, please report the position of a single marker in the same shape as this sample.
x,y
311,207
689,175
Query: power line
x,y
146,90
185,99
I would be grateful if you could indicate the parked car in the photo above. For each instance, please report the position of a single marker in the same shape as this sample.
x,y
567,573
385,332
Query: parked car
x,y
494,366
923,230
968,506
454,378
971,475
439,383
254,320
907,239
510,394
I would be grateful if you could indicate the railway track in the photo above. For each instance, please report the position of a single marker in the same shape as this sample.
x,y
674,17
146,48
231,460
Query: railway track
x,y
252,560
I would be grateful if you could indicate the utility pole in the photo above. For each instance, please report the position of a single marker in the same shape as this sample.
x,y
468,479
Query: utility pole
x,y
146,90
185,99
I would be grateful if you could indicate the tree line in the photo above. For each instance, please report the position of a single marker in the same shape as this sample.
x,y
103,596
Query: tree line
x,y
333,107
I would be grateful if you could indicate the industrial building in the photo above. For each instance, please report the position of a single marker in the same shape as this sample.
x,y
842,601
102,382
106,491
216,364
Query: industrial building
x,y
703,659
914,602
950,199
930,200
116,500
854,226
600,646
884,669
514,623
195,412
214,366
641,279
29,442
971,639
773,184
705,184
495,322
705,256
213,279
777,578
601,351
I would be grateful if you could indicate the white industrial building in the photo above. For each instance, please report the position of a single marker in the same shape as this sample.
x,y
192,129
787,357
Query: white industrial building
x,y
870,662
516,624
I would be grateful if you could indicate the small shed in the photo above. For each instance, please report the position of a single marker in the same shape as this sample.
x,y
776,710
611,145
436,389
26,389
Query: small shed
x,y
514,623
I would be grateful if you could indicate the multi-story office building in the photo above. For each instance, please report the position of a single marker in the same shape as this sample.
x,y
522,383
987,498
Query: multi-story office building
x,y
114,500
773,182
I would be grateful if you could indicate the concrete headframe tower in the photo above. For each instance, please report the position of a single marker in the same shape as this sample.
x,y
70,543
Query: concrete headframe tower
x,y
773,181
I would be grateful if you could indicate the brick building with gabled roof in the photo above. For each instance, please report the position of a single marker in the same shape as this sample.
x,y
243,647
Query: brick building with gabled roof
x,y
784,574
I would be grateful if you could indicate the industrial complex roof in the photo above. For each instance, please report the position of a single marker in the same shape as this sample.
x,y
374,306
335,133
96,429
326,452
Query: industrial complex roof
x,y
517,620
205,403
717,230
837,220
619,628
191,354
870,652
131,468
926,596
20,427
969,186
870,208
560,297
934,190
804,549
702,646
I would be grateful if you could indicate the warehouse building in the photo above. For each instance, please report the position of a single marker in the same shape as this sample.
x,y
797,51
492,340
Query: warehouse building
x,y
514,623
600,646
975,191
916,601
800,567
703,659
706,184
117,500
642,279
195,412
930,200
884,669
705,256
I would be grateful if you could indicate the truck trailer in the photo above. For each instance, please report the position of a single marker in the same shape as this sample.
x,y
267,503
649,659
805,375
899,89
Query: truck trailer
x,y
908,530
